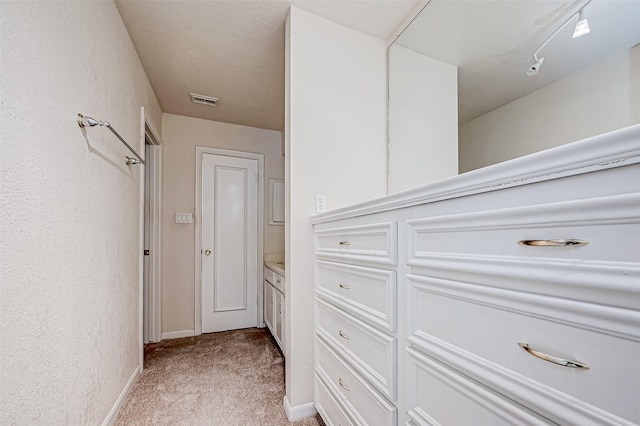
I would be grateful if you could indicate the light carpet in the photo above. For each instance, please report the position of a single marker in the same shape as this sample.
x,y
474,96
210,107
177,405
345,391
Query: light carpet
x,y
228,378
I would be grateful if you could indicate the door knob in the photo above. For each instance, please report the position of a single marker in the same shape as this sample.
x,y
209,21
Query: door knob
x,y
207,252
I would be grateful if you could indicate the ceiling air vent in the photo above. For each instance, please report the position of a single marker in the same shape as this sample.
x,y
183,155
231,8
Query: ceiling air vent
x,y
204,100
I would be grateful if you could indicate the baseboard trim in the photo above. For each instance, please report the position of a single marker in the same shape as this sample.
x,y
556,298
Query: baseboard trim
x,y
113,414
178,334
300,411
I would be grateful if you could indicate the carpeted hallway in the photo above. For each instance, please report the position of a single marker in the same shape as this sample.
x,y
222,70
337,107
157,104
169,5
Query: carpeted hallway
x,y
228,378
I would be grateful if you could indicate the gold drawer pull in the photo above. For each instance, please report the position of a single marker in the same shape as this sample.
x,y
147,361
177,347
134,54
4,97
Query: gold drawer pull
x,y
344,335
345,286
344,243
345,387
553,359
553,243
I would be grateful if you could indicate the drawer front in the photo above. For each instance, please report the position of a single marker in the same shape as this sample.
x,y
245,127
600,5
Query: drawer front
x,y
269,275
367,293
376,244
370,352
328,407
275,279
278,282
439,395
488,323
361,398
608,225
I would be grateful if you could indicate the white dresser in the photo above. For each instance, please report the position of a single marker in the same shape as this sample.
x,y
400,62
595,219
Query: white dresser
x,y
507,295
356,319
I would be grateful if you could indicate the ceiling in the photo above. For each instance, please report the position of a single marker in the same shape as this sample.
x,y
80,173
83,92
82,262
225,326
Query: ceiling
x,y
234,50
492,41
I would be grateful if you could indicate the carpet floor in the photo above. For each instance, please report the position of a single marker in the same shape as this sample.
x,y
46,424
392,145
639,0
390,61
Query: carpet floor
x,y
228,378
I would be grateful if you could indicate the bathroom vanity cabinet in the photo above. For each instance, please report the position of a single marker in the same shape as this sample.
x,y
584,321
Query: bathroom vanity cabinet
x,y
274,303
507,295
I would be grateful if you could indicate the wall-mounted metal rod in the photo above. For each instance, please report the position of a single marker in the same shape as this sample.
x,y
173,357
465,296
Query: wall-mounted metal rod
x,y
90,122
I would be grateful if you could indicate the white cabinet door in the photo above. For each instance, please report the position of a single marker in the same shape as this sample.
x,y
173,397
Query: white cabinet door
x,y
279,306
274,314
269,306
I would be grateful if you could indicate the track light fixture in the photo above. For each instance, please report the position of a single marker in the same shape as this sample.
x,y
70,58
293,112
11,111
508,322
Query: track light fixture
x,y
582,28
533,69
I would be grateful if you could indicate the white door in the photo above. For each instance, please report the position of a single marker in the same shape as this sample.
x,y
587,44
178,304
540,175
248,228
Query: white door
x,y
229,243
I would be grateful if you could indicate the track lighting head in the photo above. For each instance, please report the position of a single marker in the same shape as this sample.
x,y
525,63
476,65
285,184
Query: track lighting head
x,y
533,69
582,27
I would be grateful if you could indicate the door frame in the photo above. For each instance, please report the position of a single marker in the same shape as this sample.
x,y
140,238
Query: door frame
x,y
200,151
154,299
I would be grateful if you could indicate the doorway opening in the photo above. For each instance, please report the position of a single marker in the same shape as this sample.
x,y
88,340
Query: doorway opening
x,y
152,237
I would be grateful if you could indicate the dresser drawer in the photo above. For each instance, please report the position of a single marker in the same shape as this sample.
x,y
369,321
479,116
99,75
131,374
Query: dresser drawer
x,y
361,398
489,323
370,352
328,407
439,395
375,243
269,275
367,293
278,282
275,279
607,228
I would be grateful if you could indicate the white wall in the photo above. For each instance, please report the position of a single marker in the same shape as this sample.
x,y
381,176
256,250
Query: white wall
x,y
70,239
335,130
181,135
423,119
598,99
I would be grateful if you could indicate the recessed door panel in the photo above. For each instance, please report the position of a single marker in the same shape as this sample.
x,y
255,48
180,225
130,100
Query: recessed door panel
x,y
230,292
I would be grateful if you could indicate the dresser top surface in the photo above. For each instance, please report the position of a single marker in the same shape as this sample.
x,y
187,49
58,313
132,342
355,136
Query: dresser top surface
x,y
615,149
277,267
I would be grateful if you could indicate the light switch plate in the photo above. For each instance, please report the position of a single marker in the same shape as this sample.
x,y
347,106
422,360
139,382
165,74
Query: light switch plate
x,y
321,203
184,218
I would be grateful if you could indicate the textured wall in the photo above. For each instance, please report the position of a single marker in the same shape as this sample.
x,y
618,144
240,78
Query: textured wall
x,y
181,135
69,254
598,99
335,126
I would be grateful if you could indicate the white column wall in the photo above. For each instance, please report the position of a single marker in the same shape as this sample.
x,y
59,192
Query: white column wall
x,y
335,144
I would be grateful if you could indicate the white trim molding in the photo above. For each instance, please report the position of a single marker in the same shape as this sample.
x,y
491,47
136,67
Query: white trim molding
x,y
153,309
420,364
141,179
154,298
178,334
200,151
113,413
548,402
299,411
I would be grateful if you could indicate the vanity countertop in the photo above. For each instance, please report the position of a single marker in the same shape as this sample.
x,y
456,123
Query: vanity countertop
x,y
277,267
